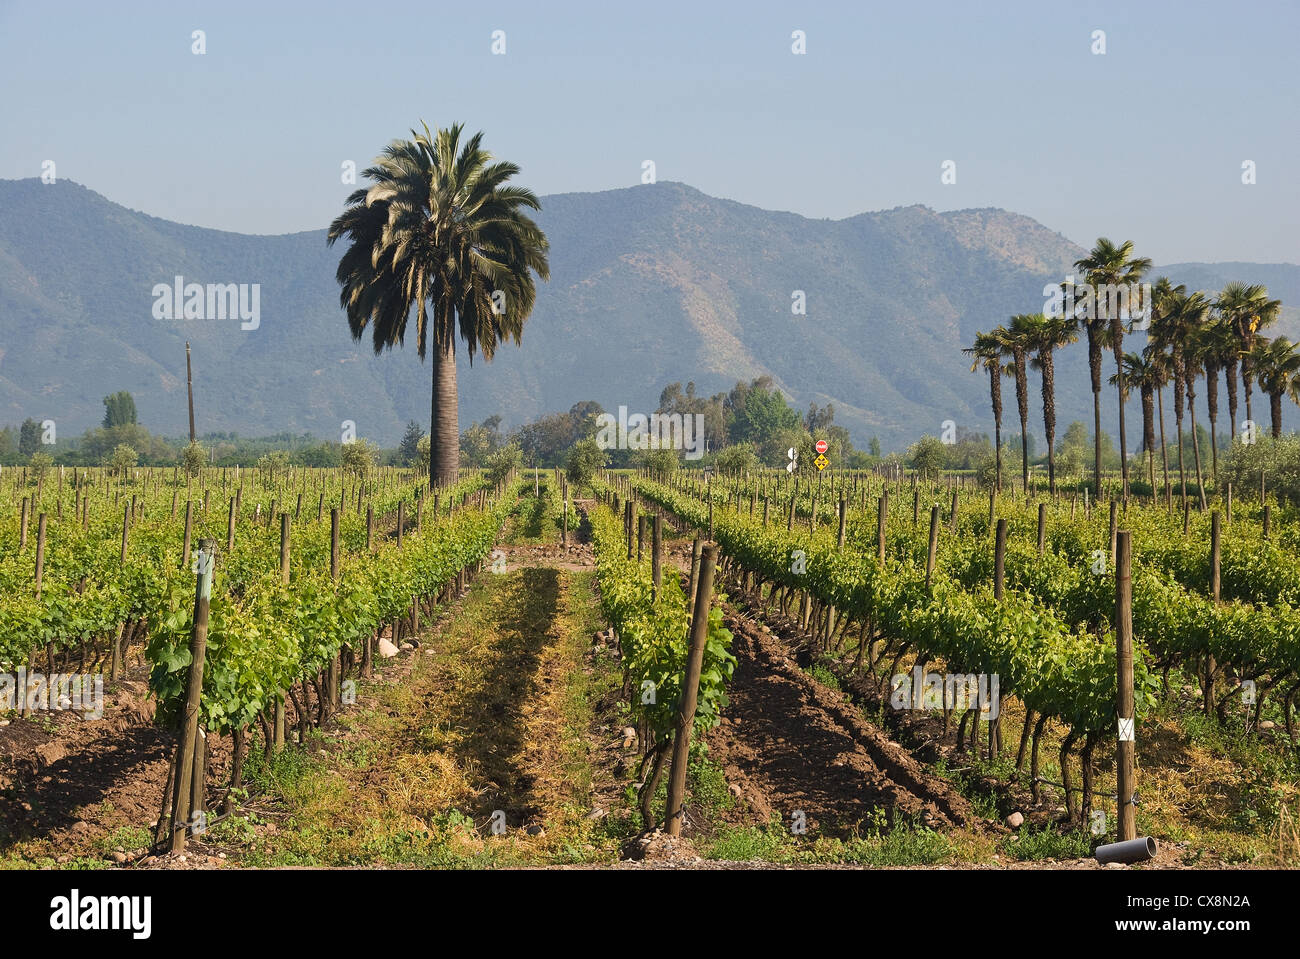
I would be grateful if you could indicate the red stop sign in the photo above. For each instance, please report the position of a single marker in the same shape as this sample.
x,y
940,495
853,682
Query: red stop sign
x,y
821,446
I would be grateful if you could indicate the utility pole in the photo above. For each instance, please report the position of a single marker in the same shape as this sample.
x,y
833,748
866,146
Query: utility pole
x,y
189,382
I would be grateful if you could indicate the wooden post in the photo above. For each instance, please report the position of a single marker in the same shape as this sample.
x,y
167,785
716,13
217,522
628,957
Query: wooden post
x,y
126,530
1042,528
1268,517
696,547
230,526
640,536
334,543
656,552
22,525
198,795
690,690
882,513
1126,718
934,543
370,526
189,530
629,521
564,522
284,548
189,387
1000,560
401,520
1216,541
1113,529
844,515
40,553
1228,508
185,765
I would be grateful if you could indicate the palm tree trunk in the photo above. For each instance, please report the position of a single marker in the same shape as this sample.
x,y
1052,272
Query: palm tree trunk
x,y
1022,404
995,398
1182,473
1149,435
1164,447
997,439
1212,401
1275,411
1049,416
1214,449
1230,375
1245,376
1094,370
1123,436
1096,436
1196,445
444,426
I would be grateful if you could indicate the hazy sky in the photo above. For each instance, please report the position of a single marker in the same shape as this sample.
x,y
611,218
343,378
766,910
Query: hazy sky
x,y
1145,142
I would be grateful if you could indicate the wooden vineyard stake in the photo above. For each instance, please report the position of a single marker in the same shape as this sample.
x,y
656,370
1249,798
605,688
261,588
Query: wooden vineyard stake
x,y
284,548
40,553
189,530
882,516
187,748
690,690
696,548
1216,543
1000,560
934,542
656,553
1126,721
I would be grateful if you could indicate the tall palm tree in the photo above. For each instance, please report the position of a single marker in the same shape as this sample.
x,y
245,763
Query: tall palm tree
x,y
1277,365
1144,376
439,232
1248,309
1095,330
1107,268
1046,334
1016,345
987,351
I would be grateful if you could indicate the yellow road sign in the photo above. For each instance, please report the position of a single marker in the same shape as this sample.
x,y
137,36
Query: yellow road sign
x,y
821,462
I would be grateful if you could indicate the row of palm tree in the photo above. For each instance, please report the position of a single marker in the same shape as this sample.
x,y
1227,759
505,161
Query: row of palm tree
x,y
1191,337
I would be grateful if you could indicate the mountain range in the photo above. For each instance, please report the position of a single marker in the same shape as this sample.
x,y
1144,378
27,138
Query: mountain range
x,y
649,285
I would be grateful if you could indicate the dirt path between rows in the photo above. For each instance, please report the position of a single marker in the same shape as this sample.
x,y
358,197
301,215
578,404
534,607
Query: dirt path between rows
x,y
794,745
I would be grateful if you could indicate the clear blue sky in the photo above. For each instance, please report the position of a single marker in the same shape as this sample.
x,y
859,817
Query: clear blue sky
x,y
1143,143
